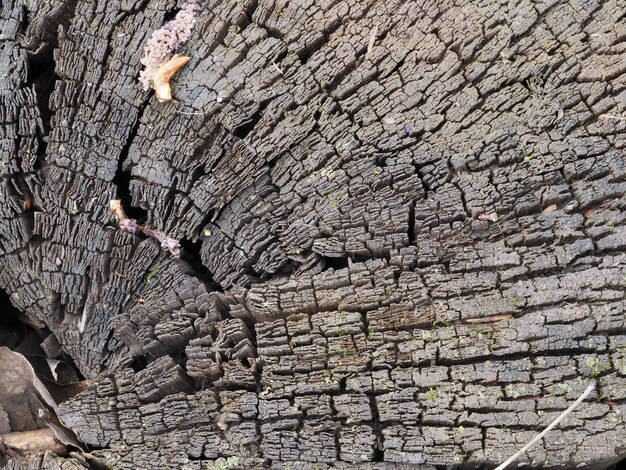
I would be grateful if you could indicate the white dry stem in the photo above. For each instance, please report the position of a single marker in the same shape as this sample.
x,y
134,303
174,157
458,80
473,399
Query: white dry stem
x,y
539,436
370,44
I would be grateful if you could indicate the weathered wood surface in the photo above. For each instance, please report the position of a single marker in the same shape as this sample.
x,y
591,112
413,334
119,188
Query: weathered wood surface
x,y
403,223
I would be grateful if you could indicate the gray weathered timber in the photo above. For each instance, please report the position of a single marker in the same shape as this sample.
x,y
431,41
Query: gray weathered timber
x,y
403,228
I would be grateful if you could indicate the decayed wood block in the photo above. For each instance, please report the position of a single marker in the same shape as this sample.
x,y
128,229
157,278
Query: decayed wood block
x,y
402,229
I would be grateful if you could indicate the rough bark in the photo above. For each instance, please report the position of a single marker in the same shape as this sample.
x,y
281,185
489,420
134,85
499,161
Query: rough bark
x,y
403,229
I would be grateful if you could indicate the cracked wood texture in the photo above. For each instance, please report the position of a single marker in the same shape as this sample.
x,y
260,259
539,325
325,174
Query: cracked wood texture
x,y
403,229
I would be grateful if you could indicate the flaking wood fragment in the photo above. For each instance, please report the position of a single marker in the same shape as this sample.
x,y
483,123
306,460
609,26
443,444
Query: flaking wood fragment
x,y
28,412
35,442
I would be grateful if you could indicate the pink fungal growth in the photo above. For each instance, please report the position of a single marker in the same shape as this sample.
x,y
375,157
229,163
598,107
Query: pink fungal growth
x,y
163,43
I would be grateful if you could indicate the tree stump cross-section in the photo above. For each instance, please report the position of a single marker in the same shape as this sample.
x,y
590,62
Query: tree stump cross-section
x,y
402,227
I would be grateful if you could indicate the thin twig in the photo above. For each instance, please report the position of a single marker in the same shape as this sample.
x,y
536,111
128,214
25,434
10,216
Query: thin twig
x,y
188,113
548,429
132,226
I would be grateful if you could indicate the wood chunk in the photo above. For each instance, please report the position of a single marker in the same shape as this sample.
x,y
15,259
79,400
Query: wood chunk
x,y
402,228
